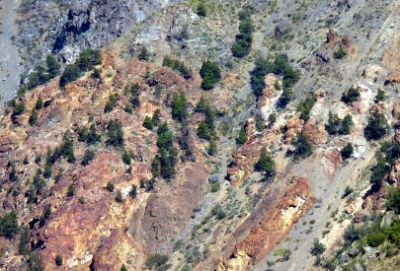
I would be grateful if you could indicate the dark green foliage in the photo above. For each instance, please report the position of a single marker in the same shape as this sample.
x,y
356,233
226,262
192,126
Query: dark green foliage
x,y
34,263
317,248
133,93
303,147
126,157
87,60
115,134
112,100
211,74
123,268
178,106
47,171
380,97
352,95
340,53
242,45
164,163
156,261
89,136
206,129
67,148
96,74
110,187
242,137
144,54
393,200
33,117
148,123
13,176
133,191
377,126
46,212
53,67
71,73
184,142
212,147
201,10
375,239
347,123
379,171
347,151
19,108
9,225
58,260
178,66
280,66
39,104
219,212
156,119
265,164
306,106
24,239
118,197
87,157
71,191
337,126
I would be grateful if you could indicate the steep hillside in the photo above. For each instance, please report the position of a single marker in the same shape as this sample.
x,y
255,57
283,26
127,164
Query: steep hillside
x,y
215,135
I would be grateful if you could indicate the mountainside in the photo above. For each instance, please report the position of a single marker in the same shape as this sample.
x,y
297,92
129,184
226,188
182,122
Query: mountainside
x,y
200,135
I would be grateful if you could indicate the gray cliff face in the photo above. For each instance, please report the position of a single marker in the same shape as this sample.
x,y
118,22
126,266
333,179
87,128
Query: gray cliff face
x,y
65,27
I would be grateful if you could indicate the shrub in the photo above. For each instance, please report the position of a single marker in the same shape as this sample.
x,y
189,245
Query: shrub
x,y
133,93
33,117
379,171
352,95
87,60
58,260
346,125
242,45
71,191
340,53
23,245
393,200
303,147
218,212
156,261
242,137
71,73
164,162
347,151
110,187
376,239
115,134
118,197
178,66
53,67
133,191
215,187
201,9
144,54
87,157
156,119
265,163
178,106
126,157
112,100
306,106
377,126
210,73
47,172
34,263
19,109
380,97
212,148
148,123
9,225
317,248
280,66
39,104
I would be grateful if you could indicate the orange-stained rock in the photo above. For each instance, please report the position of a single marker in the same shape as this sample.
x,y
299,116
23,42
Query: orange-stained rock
x,y
315,132
275,223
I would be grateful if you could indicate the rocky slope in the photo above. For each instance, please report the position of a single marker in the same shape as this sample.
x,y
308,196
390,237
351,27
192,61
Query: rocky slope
x,y
217,212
